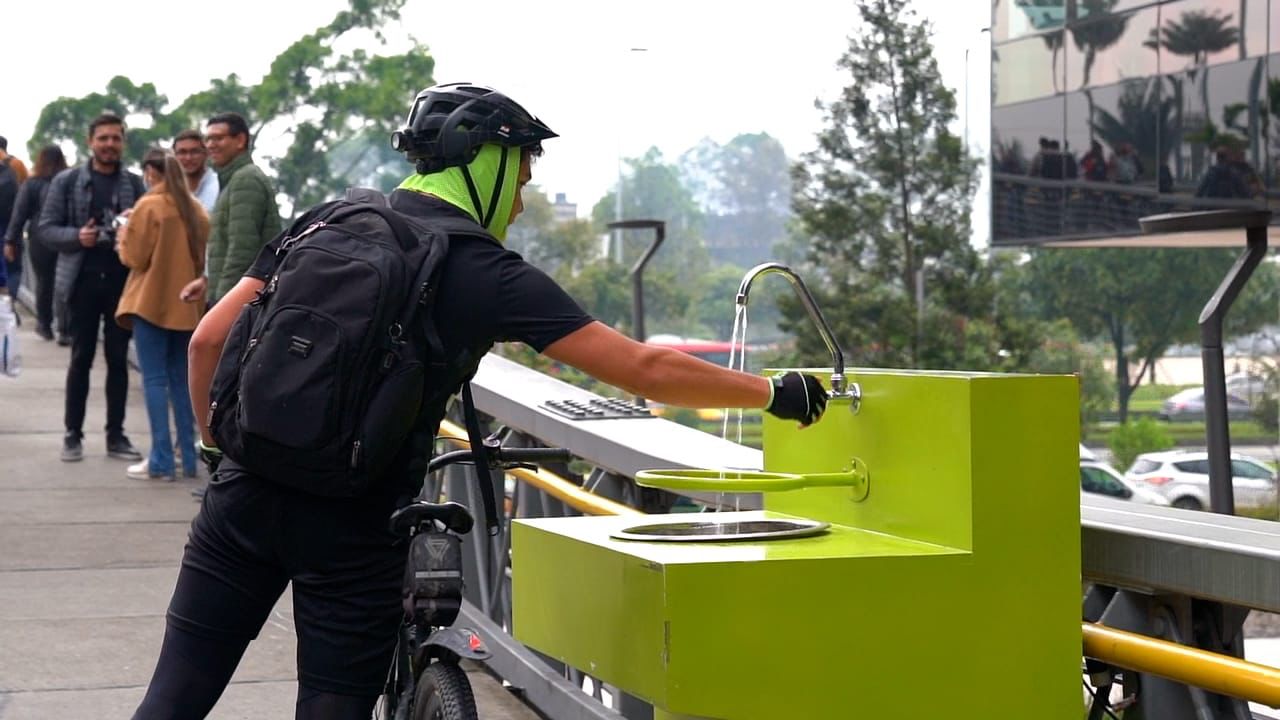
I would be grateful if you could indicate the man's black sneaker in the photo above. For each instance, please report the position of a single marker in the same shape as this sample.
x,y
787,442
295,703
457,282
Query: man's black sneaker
x,y
64,340
119,447
44,332
72,450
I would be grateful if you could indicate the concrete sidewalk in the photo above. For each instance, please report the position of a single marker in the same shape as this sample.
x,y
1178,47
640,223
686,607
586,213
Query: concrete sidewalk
x,y
88,559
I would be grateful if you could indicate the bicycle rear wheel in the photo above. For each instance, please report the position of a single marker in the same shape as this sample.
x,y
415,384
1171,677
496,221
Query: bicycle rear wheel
x,y
444,693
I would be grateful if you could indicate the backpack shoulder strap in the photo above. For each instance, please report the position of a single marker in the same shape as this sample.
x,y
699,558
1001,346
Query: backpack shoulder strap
x,y
365,195
480,452
462,226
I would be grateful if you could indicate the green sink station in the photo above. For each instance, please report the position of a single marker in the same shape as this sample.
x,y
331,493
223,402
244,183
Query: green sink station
x,y
928,564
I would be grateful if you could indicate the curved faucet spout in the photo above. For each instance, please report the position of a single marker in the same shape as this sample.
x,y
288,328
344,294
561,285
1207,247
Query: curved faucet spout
x,y
837,355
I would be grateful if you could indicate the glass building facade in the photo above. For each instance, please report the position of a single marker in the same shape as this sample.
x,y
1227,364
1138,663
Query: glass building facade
x,y
1104,111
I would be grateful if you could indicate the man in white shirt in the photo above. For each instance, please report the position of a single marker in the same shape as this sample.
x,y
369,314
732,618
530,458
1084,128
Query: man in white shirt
x,y
188,146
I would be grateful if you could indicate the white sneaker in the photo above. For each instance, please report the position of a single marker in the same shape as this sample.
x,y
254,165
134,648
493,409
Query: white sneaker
x,y
137,471
140,471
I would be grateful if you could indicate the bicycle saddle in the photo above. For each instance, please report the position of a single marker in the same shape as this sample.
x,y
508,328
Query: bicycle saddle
x,y
452,515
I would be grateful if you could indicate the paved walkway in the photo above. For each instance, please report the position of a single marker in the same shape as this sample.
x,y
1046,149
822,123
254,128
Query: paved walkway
x,y
88,560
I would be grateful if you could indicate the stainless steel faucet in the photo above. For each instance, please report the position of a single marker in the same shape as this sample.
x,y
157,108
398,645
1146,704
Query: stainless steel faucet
x,y
838,383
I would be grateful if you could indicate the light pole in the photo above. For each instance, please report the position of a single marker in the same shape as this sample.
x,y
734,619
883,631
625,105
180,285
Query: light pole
x,y
659,228
966,91
616,253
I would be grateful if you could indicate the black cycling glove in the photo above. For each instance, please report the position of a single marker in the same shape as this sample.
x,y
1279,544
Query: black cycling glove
x,y
798,397
211,456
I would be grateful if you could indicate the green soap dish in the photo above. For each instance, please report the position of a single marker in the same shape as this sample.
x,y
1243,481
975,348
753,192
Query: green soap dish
x,y
747,481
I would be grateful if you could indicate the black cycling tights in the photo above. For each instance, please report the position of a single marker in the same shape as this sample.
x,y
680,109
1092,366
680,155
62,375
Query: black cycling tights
x,y
193,671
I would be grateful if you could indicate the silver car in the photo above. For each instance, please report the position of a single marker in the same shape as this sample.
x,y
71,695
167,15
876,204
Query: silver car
x,y
1188,405
1099,478
1182,478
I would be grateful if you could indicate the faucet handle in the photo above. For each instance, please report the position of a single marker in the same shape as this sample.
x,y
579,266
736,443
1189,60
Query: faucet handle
x,y
841,389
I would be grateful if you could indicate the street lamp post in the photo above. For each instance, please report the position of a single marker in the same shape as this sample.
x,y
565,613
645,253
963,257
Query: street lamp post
x,y
616,251
637,272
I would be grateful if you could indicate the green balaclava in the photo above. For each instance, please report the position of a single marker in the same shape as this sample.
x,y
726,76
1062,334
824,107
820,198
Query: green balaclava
x,y
487,171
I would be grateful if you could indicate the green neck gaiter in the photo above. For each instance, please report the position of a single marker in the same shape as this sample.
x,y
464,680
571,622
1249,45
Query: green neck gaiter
x,y
450,185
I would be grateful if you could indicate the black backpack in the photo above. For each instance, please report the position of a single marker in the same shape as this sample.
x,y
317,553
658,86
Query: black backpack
x,y
323,374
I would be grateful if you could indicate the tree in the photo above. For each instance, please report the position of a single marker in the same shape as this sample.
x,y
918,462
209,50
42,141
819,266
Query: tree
x,y
559,249
744,189
338,109
1142,300
1198,34
652,189
1143,119
1094,37
883,203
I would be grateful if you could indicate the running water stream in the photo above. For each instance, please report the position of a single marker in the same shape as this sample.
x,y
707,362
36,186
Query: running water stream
x,y
737,361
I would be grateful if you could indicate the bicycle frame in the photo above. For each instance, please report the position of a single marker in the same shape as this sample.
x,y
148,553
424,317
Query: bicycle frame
x,y
421,641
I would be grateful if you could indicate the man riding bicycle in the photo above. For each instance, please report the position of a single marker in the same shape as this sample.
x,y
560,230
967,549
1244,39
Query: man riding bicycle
x,y
473,149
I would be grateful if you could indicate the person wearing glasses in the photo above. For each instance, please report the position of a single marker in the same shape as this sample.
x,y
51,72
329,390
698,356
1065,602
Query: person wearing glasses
x,y
245,217
188,148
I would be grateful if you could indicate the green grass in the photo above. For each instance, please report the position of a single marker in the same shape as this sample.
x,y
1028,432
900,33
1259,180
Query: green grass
x,y
1247,432
1149,398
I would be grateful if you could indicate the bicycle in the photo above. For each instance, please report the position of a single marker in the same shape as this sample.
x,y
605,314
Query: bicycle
x,y
426,680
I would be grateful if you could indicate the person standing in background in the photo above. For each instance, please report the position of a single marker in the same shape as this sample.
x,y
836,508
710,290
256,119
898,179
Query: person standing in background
x,y
79,221
163,246
25,219
12,174
244,219
18,166
189,149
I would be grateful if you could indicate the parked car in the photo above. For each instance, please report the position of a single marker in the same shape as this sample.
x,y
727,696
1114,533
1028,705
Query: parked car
x,y
1099,478
1182,477
1250,388
1188,405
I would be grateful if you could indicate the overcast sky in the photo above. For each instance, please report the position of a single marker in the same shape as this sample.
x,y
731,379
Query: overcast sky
x,y
710,68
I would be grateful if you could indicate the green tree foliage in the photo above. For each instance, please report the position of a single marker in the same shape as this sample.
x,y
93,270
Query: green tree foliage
x,y
558,248
337,108
652,190
1143,300
1062,352
1129,441
883,207
744,187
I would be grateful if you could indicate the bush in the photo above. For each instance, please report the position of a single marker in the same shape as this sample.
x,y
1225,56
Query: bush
x,y
1130,440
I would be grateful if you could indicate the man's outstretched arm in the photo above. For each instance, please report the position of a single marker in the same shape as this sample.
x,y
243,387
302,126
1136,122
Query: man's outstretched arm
x,y
676,378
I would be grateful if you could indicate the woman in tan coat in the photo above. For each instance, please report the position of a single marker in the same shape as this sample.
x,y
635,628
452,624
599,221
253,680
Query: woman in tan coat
x,y
163,246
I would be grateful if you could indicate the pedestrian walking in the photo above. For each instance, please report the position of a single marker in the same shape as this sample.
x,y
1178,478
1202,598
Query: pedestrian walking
x,y
23,235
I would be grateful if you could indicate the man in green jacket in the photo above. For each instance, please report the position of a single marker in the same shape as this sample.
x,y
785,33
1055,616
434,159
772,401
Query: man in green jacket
x,y
245,216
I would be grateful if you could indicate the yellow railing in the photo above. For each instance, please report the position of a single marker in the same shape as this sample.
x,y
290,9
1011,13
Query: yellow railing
x,y
550,483
1215,672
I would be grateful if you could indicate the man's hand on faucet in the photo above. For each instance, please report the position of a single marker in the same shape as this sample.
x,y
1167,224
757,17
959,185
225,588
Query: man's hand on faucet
x,y
797,396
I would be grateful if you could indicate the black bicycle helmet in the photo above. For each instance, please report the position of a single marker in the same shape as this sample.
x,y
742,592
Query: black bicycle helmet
x,y
449,123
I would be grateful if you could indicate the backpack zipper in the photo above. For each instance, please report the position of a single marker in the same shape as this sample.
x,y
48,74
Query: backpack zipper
x,y
291,241
355,455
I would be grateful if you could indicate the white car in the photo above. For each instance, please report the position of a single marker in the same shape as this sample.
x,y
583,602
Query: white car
x,y
1182,478
1099,478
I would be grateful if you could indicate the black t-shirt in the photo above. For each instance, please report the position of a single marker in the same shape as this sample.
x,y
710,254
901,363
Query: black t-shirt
x,y
104,205
486,294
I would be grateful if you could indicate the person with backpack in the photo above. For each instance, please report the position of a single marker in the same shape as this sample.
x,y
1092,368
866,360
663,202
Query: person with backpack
x,y
324,374
24,221
79,220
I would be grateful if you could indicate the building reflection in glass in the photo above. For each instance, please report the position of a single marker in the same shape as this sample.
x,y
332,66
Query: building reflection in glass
x,y
1108,110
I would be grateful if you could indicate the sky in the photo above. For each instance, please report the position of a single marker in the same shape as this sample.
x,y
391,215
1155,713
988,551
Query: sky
x,y
708,69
